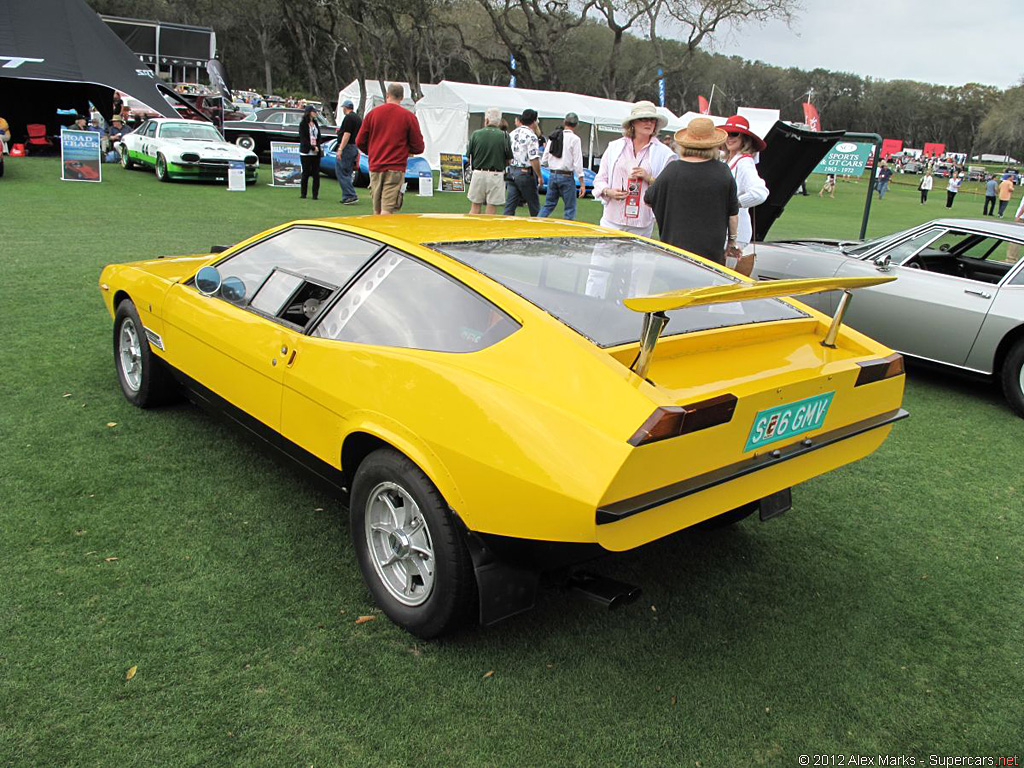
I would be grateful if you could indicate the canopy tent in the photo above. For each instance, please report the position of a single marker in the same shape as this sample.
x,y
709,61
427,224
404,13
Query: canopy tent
x,y
178,49
375,96
761,120
58,54
450,111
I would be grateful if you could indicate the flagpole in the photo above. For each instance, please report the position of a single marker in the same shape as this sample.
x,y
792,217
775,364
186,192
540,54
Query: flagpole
x,y
712,98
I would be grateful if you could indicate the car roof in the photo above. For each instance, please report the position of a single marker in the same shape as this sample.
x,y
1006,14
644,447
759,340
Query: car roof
x,y
423,229
165,120
998,228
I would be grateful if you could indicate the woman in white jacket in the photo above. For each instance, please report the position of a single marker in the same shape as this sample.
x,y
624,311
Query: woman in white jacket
x,y
740,148
629,165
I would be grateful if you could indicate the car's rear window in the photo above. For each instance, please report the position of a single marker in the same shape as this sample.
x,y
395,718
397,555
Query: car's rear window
x,y
583,280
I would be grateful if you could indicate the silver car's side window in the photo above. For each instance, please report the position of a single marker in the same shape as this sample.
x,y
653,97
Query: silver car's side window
x,y
906,250
400,302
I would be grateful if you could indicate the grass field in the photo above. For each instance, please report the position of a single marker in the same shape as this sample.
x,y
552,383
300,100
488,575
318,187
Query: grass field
x,y
881,616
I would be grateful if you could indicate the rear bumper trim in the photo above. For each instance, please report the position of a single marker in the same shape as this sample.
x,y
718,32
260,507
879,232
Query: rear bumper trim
x,y
620,510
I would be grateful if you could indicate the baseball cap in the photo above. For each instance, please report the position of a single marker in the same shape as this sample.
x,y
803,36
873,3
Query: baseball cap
x,y
347,104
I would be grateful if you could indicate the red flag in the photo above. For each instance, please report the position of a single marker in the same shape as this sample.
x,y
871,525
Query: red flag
x,y
934,150
891,146
811,116
703,106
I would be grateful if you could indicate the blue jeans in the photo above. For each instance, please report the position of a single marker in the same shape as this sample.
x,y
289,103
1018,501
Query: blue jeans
x,y
344,169
560,185
882,187
522,189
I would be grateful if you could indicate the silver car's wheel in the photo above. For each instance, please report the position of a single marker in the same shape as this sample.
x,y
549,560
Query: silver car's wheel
x,y
1012,376
130,348
412,551
399,543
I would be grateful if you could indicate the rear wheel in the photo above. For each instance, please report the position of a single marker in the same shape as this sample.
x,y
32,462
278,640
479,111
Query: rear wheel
x,y
411,553
1013,378
246,142
144,378
360,179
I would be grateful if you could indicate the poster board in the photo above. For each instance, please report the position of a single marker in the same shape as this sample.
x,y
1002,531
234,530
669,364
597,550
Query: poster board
x,y
80,156
285,165
426,184
453,173
847,158
236,175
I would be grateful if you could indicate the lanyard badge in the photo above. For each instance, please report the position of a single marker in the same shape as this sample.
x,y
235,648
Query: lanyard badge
x,y
632,208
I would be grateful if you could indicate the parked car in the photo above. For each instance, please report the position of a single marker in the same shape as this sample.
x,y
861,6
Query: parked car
x,y
184,149
912,166
494,395
76,169
414,166
976,173
959,300
257,130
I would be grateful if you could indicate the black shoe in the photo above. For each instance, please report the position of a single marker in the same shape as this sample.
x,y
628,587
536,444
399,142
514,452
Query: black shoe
x,y
302,197
350,201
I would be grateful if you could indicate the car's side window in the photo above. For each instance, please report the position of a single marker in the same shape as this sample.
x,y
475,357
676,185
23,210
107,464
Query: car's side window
x,y
150,130
400,302
276,119
324,255
291,118
908,248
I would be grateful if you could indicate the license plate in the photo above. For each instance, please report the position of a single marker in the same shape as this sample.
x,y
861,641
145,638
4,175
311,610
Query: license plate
x,y
774,424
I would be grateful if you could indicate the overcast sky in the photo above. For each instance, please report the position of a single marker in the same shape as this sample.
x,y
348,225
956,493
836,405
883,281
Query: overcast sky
x,y
949,42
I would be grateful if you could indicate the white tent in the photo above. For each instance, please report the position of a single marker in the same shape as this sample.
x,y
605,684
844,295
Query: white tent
x,y
450,111
374,95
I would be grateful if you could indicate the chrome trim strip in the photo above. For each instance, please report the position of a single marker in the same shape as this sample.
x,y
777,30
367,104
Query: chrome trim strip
x,y
620,510
154,338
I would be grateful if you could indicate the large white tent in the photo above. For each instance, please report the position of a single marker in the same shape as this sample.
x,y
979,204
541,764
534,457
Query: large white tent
x,y
761,120
450,111
375,96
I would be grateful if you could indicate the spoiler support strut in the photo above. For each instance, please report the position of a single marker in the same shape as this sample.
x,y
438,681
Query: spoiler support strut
x,y
837,320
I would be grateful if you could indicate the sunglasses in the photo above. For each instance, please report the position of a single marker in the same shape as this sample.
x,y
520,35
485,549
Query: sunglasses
x,y
734,135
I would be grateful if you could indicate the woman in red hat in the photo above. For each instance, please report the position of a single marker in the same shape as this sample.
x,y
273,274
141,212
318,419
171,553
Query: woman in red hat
x,y
740,147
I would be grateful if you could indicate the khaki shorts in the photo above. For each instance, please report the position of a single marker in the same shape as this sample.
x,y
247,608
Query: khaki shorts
x,y
386,190
487,187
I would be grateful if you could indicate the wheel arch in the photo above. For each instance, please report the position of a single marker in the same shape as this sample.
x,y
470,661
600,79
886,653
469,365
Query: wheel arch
x,y
1007,343
366,438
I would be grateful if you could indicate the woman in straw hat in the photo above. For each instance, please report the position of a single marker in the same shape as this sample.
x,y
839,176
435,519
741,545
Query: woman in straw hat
x,y
751,191
628,167
694,200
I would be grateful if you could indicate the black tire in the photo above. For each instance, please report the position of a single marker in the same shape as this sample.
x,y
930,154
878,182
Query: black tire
x,y
1012,376
726,519
360,179
161,169
144,378
450,599
126,162
246,142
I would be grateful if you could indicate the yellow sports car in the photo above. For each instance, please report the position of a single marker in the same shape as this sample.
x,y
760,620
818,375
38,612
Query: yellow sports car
x,y
502,398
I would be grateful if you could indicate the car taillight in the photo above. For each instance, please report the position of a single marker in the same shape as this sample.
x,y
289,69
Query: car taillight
x,y
672,421
883,368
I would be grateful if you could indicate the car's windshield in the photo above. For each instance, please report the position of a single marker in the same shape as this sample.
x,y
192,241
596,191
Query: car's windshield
x,y
199,131
583,280
858,248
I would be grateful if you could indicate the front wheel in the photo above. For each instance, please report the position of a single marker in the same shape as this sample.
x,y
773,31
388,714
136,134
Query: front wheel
x,y
411,553
1013,378
145,380
126,161
161,169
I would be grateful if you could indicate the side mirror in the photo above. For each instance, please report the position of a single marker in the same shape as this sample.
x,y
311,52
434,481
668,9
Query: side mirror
x,y
884,264
208,281
233,290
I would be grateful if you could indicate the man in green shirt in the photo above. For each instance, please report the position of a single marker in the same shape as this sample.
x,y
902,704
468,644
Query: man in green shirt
x,y
489,152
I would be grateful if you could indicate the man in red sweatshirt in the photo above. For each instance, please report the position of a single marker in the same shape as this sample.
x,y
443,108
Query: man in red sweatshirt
x,y
389,134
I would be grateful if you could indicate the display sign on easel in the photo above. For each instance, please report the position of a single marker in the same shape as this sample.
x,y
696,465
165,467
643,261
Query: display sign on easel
x,y
453,173
285,164
80,156
426,184
236,175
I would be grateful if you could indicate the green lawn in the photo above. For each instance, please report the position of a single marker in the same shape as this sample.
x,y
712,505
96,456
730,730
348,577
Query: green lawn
x,y
882,615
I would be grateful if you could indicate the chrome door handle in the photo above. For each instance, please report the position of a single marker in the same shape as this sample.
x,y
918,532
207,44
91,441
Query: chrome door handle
x,y
982,294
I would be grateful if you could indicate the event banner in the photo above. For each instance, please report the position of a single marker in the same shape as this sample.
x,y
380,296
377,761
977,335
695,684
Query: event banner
x,y
285,165
453,173
811,116
80,156
891,147
934,150
846,159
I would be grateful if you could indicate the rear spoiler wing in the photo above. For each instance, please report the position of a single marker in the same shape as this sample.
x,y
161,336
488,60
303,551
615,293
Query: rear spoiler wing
x,y
656,305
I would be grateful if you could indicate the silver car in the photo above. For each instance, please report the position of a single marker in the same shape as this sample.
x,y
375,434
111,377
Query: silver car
x,y
959,299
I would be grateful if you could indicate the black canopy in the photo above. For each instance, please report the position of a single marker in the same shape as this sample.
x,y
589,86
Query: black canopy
x,y
58,54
